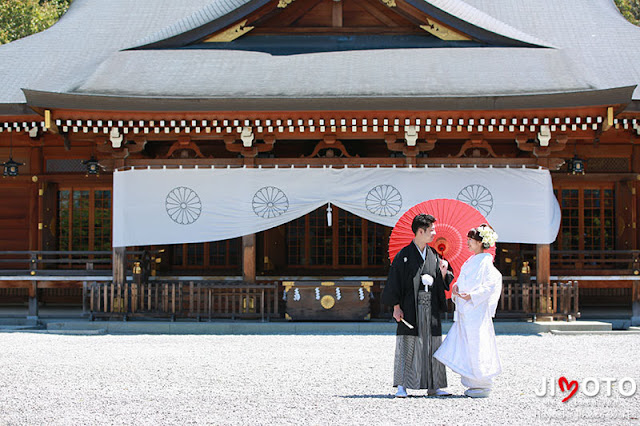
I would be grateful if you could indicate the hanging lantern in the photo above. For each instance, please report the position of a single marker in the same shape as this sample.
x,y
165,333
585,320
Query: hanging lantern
x,y
92,165
11,168
576,165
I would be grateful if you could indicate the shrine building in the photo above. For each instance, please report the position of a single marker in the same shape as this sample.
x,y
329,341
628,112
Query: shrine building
x,y
231,158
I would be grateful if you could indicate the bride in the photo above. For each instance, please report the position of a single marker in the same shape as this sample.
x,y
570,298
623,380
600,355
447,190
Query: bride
x,y
470,346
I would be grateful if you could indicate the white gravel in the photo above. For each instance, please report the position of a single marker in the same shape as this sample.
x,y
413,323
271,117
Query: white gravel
x,y
315,379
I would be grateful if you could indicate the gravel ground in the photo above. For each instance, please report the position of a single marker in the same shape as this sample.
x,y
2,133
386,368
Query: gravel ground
x,y
315,379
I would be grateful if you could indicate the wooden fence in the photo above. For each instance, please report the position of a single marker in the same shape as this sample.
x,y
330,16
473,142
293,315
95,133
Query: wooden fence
x,y
200,300
558,300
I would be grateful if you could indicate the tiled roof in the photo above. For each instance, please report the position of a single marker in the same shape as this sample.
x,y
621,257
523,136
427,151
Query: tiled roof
x,y
586,45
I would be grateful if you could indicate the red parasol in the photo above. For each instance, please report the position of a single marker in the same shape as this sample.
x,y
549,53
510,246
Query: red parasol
x,y
453,220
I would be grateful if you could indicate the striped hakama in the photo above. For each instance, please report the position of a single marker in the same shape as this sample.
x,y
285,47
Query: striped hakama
x,y
414,365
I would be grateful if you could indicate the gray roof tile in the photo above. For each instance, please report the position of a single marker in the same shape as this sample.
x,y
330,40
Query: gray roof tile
x,y
85,52
477,17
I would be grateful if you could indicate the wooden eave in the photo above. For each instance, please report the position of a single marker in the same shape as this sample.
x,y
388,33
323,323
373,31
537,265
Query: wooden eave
x,y
620,96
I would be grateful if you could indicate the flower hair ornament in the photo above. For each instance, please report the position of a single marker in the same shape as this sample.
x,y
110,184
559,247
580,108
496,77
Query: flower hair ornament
x,y
489,236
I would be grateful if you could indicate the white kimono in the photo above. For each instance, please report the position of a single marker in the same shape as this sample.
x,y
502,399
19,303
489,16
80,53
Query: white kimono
x,y
470,346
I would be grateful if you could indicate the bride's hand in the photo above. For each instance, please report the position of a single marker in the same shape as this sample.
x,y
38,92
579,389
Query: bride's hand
x,y
464,296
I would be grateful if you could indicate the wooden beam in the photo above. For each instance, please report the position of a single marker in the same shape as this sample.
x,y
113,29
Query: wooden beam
x,y
290,15
337,30
589,178
374,8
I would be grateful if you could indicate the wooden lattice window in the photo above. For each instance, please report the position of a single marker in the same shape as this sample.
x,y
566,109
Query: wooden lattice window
x,y
588,217
377,243
84,219
214,255
351,241
320,238
295,238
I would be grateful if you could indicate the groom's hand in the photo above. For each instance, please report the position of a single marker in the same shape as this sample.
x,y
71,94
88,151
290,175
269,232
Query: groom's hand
x,y
444,267
397,313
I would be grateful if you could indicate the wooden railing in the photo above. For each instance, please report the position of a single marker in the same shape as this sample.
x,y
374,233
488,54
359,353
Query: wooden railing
x,y
199,300
559,300
63,263
589,262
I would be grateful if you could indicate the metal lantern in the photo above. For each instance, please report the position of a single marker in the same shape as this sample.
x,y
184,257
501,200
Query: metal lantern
x,y
92,165
11,168
576,165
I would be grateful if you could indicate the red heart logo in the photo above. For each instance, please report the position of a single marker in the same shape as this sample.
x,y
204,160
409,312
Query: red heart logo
x,y
562,382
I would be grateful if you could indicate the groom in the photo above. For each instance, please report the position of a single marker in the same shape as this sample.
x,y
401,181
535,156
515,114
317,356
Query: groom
x,y
417,280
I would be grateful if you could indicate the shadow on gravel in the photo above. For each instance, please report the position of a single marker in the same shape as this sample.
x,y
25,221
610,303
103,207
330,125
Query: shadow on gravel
x,y
391,396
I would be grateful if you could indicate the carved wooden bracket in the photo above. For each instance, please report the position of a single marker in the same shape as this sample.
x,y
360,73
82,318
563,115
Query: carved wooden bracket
x,y
232,144
476,144
551,163
184,142
230,33
103,145
557,144
284,3
408,151
330,142
137,146
443,32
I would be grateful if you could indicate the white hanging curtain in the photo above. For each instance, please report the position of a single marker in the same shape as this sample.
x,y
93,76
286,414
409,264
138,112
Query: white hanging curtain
x,y
170,206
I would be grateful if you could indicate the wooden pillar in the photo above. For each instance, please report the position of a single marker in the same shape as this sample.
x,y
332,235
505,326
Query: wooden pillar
x,y
635,304
543,263
119,258
625,212
34,232
33,301
249,241
249,258
35,169
543,278
336,14
119,265
635,167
